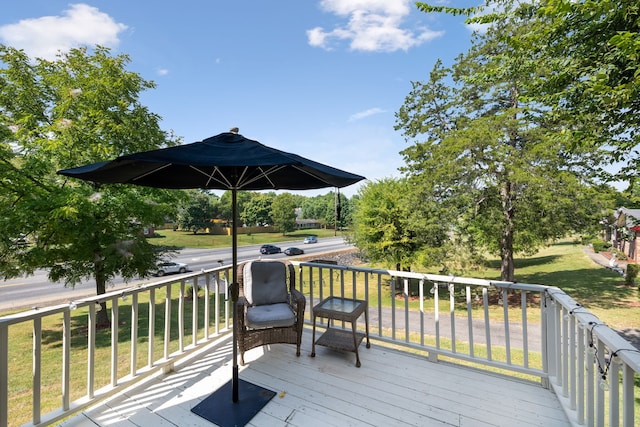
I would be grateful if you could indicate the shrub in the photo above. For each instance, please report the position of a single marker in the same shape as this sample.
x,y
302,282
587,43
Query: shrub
x,y
600,246
632,273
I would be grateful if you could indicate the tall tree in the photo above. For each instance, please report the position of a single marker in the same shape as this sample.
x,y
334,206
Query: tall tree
x,y
283,212
82,107
198,211
485,152
257,211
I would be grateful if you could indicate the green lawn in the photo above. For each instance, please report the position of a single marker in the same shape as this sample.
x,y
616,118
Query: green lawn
x,y
566,266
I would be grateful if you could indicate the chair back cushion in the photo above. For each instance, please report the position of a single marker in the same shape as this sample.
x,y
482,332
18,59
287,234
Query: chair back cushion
x,y
265,282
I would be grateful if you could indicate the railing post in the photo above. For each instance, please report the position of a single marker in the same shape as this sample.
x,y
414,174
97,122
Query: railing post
x,y
152,326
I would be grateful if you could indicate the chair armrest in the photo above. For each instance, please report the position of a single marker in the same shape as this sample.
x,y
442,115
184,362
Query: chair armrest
x,y
298,303
241,306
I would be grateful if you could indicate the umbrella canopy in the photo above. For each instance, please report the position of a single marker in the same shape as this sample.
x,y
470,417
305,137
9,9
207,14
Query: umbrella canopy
x,y
226,161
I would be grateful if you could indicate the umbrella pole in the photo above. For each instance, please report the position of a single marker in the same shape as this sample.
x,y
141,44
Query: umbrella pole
x,y
235,290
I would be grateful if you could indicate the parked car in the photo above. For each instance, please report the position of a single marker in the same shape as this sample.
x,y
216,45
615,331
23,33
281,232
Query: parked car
x,y
310,239
269,249
171,267
293,251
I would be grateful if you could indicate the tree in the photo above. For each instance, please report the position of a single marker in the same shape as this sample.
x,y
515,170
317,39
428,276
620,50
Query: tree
x,y
257,211
198,212
386,230
283,212
591,78
77,109
487,156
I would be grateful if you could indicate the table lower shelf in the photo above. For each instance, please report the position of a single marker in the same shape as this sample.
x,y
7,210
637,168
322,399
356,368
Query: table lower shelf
x,y
338,339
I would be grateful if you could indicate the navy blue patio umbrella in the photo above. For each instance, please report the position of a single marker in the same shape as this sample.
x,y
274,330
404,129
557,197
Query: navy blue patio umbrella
x,y
227,161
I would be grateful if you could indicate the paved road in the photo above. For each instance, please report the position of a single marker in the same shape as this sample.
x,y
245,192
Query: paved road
x,y
37,290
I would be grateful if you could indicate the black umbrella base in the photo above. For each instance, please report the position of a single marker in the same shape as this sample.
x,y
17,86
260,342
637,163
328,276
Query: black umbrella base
x,y
220,409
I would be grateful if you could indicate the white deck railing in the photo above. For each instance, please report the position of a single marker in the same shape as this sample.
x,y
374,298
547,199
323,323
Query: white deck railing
x,y
526,330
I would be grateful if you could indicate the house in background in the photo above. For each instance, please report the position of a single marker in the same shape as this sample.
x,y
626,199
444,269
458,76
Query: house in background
x,y
625,235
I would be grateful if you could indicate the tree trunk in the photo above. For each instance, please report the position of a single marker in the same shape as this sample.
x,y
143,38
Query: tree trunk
x,y
507,270
102,320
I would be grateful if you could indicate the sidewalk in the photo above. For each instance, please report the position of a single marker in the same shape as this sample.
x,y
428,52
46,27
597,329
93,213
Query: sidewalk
x,y
631,334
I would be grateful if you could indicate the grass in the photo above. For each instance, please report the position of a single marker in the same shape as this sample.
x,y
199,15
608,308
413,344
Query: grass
x,y
566,266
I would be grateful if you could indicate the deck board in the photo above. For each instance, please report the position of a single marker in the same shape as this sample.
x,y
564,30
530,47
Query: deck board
x,y
392,388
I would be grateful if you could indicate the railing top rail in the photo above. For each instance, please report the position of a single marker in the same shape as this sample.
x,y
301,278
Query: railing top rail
x,y
438,278
618,346
81,302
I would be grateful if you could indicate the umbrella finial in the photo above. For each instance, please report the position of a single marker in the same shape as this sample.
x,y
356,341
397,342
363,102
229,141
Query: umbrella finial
x,y
234,130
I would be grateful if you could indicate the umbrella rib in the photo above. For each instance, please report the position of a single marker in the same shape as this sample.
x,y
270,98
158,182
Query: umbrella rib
x,y
152,172
211,176
263,174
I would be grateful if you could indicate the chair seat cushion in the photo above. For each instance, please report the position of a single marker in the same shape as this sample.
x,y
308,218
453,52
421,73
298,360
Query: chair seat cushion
x,y
270,316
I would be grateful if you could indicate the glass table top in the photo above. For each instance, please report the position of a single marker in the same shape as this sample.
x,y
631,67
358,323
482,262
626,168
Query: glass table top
x,y
340,304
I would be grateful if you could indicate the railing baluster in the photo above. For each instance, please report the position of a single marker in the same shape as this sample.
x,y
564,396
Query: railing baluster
x,y
405,295
4,374
91,349
469,319
194,313
580,414
525,335
421,295
507,333
37,368
436,312
181,318
134,334
452,315
628,398
207,306
167,321
565,351
572,361
152,327
614,393
487,321
66,359
114,341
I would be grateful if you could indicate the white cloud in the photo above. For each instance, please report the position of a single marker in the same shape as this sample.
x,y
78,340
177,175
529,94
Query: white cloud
x,y
162,71
80,25
373,25
366,113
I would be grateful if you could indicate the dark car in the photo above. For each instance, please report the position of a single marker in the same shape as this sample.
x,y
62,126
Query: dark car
x,y
269,249
293,251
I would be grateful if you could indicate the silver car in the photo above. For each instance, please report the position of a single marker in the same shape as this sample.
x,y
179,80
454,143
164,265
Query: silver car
x,y
171,267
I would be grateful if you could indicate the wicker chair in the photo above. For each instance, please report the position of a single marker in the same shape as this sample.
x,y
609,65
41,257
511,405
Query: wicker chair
x,y
268,312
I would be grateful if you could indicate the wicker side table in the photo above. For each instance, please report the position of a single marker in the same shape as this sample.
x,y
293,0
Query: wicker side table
x,y
341,309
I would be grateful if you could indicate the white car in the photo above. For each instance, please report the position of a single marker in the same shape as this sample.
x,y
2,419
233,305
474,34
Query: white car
x,y
310,239
171,267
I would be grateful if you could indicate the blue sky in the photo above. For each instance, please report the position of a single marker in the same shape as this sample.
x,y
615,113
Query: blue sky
x,y
320,78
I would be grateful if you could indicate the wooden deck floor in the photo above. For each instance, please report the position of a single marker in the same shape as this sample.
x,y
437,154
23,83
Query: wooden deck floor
x,y
392,388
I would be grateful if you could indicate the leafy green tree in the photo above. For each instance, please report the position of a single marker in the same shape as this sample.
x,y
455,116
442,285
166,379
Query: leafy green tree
x,y
198,212
283,212
386,230
257,211
77,109
487,155
226,208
